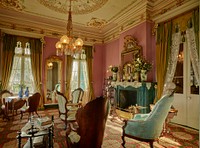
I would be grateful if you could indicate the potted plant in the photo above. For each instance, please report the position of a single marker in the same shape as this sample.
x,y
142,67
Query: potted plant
x,y
114,70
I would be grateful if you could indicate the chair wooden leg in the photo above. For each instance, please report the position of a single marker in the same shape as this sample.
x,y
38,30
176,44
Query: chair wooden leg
x,y
37,113
151,144
21,115
123,141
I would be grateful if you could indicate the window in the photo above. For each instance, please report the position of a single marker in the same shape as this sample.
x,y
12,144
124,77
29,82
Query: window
x,y
21,74
79,76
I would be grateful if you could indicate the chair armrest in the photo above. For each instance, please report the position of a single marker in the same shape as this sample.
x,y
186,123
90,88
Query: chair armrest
x,y
140,116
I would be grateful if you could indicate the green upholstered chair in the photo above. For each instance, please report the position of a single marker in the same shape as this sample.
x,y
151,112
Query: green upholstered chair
x,y
148,127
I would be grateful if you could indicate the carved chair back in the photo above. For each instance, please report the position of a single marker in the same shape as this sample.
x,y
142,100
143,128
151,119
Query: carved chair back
x,y
91,120
77,95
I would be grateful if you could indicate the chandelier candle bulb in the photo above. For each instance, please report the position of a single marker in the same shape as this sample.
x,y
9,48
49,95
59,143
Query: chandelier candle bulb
x,y
67,45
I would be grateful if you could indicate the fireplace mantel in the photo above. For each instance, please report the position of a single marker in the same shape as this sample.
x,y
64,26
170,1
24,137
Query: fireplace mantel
x,y
134,93
134,84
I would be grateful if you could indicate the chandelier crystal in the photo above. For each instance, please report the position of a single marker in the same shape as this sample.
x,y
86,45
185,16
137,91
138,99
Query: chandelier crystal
x,y
67,45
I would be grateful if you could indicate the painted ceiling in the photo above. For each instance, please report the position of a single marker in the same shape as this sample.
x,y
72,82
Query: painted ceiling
x,y
93,20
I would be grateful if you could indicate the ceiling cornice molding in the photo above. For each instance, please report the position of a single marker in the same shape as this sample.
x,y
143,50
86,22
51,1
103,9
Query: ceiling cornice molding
x,y
191,4
134,14
22,33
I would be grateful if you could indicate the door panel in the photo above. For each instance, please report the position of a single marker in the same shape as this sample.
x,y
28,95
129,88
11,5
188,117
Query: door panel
x,y
193,111
179,103
186,98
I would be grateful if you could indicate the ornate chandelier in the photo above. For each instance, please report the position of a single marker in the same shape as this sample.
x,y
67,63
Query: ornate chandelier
x,y
67,45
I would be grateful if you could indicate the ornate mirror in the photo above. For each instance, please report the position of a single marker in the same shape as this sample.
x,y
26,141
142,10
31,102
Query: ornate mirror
x,y
53,78
131,51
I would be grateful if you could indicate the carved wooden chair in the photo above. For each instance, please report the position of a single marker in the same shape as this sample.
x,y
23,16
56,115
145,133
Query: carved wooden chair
x,y
91,120
3,104
65,114
15,105
76,101
33,104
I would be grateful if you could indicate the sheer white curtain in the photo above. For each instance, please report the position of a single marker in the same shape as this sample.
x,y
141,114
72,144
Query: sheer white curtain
x,y
193,52
191,45
21,74
172,62
79,78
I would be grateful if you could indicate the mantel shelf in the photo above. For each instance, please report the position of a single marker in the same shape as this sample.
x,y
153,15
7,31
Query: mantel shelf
x,y
134,84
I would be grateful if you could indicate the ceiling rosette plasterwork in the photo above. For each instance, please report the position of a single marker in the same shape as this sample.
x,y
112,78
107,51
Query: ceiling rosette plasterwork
x,y
97,23
78,6
12,4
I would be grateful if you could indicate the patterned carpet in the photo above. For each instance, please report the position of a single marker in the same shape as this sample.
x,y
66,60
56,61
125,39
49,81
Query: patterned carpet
x,y
180,137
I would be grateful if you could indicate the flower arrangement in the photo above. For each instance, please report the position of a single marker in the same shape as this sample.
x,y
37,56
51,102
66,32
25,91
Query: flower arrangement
x,y
141,64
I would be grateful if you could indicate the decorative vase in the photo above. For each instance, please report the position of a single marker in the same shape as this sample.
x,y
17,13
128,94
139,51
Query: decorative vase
x,y
136,76
27,92
114,76
143,75
20,92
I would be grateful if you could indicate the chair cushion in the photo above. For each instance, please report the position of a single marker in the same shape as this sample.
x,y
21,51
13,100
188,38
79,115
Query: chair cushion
x,y
70,117
24,108
72,108
74,137
3,106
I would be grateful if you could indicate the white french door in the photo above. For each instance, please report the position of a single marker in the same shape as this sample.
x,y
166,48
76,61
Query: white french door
x,y
186,98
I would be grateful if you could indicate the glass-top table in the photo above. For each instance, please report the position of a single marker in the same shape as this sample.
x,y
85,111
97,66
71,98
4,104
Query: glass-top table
x,y
36,134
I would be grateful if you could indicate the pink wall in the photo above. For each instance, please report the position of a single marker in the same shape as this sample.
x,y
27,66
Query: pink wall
x,y
112,51
110,54
98,70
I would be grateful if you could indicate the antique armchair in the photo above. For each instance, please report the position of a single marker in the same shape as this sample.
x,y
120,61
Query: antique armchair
x,y
65,114
15,105
75,102
3,95
33,104
91,120
3,104
148,127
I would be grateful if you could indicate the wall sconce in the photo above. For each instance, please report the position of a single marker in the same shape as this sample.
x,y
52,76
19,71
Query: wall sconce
x,y
50,65
180,57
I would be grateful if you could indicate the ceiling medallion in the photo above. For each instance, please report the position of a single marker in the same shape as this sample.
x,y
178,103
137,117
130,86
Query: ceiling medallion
x,y
96,23
78,6
13,4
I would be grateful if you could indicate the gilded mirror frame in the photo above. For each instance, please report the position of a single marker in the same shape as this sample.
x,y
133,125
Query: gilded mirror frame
x,y
131,51
59,61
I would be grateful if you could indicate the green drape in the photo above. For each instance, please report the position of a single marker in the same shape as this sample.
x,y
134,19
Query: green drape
x,y
89,58
163,44
36,64
68,74
9,44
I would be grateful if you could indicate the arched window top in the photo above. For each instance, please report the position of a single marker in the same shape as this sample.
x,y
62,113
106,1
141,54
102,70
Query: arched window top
x,y
20,50
27,48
